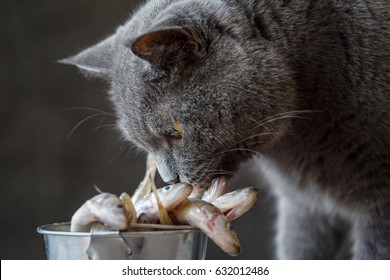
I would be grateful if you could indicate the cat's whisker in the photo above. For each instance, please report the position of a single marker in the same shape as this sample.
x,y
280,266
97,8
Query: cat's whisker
x,y
276,119
134,150
91,109
205,171
251,137
256,143
121,149
219,172
99,124
105,126
202,173
115,141
292,112
240,149
81,122
284,115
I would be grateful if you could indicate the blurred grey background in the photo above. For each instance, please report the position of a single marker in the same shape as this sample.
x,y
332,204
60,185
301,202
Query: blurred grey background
x,y
46,173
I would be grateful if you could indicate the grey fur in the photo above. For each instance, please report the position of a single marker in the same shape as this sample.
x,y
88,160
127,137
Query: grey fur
x,y
304,84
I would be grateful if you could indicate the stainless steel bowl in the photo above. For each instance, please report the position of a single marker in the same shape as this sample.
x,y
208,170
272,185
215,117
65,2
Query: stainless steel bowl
x,y
156,242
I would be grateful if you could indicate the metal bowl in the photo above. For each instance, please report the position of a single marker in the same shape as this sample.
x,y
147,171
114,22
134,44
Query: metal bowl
x,y
149,242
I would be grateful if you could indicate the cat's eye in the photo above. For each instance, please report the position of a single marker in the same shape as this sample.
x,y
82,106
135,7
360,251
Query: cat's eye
x,y
177,128
176,131
172,134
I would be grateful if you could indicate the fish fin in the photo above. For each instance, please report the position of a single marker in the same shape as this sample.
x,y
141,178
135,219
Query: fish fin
x,y
97,189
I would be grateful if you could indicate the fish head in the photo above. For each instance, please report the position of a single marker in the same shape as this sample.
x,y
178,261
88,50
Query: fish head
x,y
108,209
219,229
217,188
173,195
236,203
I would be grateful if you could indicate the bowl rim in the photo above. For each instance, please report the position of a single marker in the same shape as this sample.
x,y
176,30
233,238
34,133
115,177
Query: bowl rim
x,y
49,229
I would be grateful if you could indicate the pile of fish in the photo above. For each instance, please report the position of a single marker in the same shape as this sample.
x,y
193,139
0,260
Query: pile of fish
x,y
210,210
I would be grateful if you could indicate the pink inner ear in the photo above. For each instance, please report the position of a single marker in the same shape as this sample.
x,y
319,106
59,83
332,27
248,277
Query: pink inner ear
x,y
144,44
166,46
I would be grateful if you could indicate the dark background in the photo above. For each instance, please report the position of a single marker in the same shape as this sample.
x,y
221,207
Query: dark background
x,y
47,174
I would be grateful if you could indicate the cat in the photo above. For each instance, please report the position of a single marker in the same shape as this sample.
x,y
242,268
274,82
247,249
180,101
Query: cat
x,y
302,85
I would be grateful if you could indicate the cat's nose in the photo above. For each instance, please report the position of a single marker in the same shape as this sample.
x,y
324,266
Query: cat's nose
x,y
173,180
166,171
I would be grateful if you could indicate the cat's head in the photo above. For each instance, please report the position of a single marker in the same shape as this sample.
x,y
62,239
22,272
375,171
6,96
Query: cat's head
x,y
194,84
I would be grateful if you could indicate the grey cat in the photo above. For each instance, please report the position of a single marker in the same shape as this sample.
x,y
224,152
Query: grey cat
x,y
302,84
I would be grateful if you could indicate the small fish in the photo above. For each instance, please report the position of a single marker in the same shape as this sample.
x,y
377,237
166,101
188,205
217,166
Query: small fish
x,y
170,197
217,188
209,219
236,203
197,192
129,207
161,210
145,187
143,219
105,208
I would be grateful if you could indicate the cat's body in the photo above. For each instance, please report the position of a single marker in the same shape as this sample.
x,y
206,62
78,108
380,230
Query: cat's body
x,y
306,84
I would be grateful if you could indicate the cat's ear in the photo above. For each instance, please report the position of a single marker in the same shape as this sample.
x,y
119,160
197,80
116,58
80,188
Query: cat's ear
x,y
96,60
165,47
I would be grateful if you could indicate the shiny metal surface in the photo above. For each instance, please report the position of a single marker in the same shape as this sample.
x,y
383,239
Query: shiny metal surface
x,y
158,243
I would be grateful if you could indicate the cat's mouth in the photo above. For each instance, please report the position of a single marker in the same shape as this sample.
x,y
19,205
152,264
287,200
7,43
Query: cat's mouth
x,y
224,169
218,185
225,175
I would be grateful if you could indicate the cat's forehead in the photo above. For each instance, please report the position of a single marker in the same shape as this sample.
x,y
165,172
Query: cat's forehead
x,y
180,13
